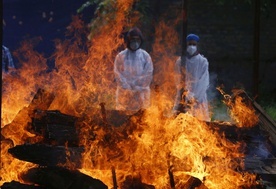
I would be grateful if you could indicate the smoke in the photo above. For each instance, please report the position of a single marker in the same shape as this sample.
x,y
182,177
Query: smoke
x,y
218,109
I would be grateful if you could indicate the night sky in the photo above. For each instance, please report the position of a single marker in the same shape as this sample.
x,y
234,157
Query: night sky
x,y
48,19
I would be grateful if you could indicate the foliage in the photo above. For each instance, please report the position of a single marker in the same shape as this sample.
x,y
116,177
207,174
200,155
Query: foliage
x,y
268,103
271,111
105,12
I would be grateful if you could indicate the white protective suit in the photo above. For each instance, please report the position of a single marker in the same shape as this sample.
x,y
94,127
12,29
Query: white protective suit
x,y
133,73
196,83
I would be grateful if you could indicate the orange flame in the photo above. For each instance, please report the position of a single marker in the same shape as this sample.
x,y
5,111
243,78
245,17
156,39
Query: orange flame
x,y
240,108
189,146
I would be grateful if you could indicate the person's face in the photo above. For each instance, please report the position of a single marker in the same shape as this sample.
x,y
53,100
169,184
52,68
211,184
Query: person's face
x,y
135,39
135,43
192,43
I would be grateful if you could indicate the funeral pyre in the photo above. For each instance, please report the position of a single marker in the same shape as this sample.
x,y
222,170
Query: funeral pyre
x,y
60,130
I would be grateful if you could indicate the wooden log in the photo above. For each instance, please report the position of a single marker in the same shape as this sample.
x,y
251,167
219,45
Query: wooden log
x,y
61,178
114,179
46,155
255,140
103,111
231,131
266,122
18,185
171,178
260,165
134,182
194,183
267,181
56,128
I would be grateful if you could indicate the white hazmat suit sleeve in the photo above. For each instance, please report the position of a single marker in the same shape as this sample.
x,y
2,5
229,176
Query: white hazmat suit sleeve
x,y
201,84
143,80
118,70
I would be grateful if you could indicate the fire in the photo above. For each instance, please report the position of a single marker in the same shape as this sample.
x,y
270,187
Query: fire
x,y
240,108
151,143
183,143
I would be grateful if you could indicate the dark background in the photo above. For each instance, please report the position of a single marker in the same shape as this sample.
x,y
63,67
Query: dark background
x,y
47,19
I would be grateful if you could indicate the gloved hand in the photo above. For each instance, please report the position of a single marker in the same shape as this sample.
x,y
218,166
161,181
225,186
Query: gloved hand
x,y
192,101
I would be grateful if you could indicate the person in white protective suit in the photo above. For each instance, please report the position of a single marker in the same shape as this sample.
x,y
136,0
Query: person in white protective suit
x,y
133,70
7,60
192,81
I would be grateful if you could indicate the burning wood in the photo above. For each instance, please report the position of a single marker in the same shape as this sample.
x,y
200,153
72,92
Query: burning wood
x,y
261,165
18,185
266,122
120,138
61,178
258,115
194,183
46,155
56,128
135,183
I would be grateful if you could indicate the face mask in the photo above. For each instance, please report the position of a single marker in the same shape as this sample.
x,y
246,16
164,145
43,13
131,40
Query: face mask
x,y
134,45
191,49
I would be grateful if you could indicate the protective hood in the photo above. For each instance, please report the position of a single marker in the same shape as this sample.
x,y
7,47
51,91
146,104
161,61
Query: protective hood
x,y
134,32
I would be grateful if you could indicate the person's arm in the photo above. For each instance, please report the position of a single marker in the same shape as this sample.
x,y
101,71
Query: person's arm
x,y
120,79
178,76
10,60
7,59
203,82
145,79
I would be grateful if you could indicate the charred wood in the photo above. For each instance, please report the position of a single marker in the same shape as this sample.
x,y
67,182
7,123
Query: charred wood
x,y
114,179
46,155
61,178
261,166
171,178
18,185
267,181
231,131
135,183
194,183
266,123
56,128
170,173
103,111
235,133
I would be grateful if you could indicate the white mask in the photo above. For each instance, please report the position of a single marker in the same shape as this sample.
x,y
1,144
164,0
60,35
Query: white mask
x,y
134,45
191,49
